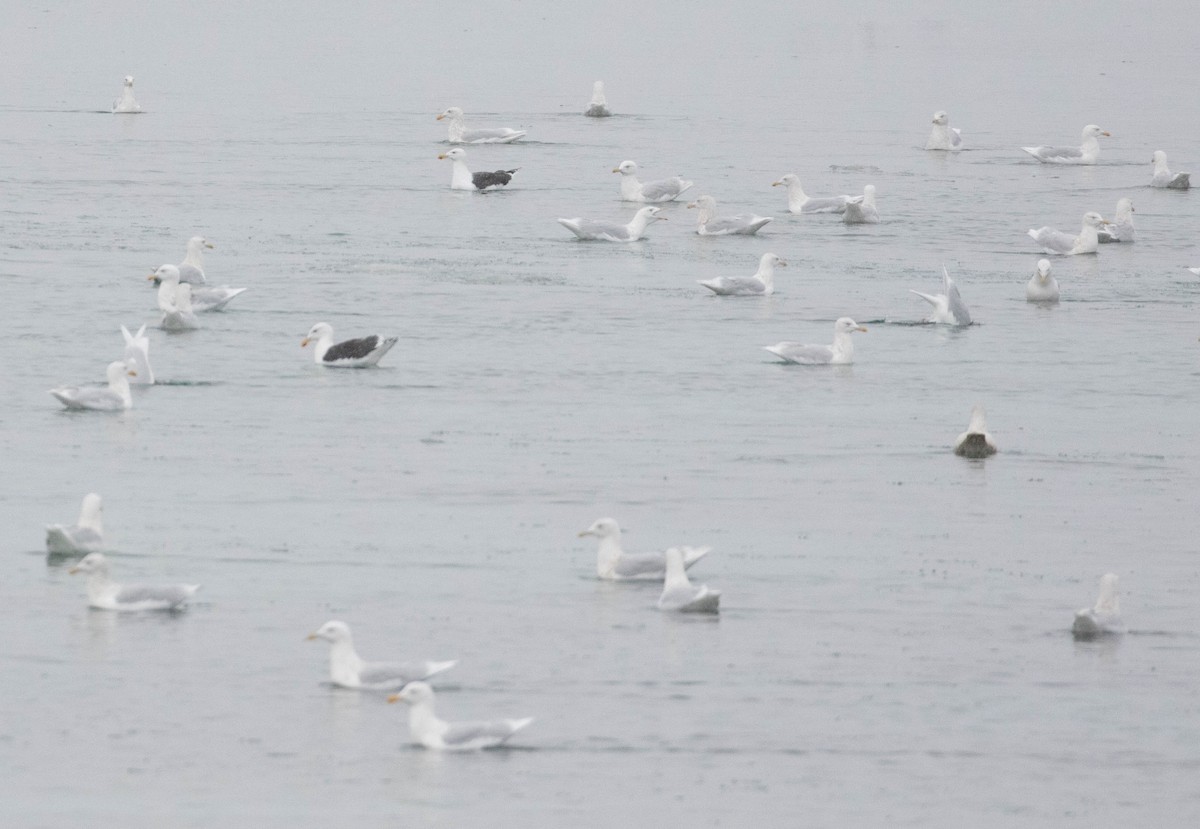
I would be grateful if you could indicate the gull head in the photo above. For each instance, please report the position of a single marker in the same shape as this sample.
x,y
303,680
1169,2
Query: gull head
x,y
626,168
651,214
457,154
198,242
1158,158
91,563
118,370
603,528
414,693
704,203
1094,219
1043,269
1124,208
129,80
845,325
451,112
772,259
1093,131
321,329
164,273
940,117
785,181
331,632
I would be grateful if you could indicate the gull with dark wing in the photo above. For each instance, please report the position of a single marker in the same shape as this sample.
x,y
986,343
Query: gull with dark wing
x,y
463,179
358,353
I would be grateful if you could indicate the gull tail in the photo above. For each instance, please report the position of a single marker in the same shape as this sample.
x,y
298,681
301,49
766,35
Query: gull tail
x,y
693,554
432,668
932,300
517,725
1033,151
128,337
711,284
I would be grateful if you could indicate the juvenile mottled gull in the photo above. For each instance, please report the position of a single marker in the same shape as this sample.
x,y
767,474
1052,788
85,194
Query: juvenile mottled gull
x,y
137,355
440,735
1055,241
861,210
458,134
593,229
681,595
975,443
761,284
599,105
800,202
1103,619
463,179
1042,287
348,670
85,536
105,594
948,307
1163,177
1086,153
652,191
614,564
710,224
1121,228
126,105
943,136
114,397
841,352
359,353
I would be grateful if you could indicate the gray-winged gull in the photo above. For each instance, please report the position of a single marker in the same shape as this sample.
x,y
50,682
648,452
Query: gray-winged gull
x,y
943,136
948,306
347,668
679,594
595,230
106,594
358,353
652,191
463,179
1103,619
458,134
432,732
975,443
708,223
861,210
1086,153
761,284
126,104
801,202
114,397
839,353
1042,286
85,535
1057,242
1163,177
1121,228
614,564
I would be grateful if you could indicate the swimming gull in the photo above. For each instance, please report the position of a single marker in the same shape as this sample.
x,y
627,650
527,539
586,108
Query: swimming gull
x,y
1105,618
861,210
1086,153
839,353
432,732
191,269
86,535
126,105
975,443
1055,241
662,190
710,224
359,353
1163,177
348,670
463,179
681,595
800,202
598,108
137,355
614,564
174,300
114,397
761,284
943,136
1121,228
460,135
105,594
948,307
593,229
1042,287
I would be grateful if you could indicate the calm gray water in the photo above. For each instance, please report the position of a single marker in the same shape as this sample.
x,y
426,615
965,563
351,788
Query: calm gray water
x,y
894,646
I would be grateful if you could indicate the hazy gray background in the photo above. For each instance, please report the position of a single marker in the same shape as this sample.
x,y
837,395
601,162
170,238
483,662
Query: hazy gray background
x,y
894,646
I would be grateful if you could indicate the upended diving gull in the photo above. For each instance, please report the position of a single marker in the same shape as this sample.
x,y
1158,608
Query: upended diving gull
x,y
105,594
614,564
1042,286
430,731
598,108
800,202
948,307
761,284
174,300
1086,153
943,136
458,134
137,355
348,670
861,210
112,398
1105,618
126,104
1121,228
662,190
1057,242
679,594
710,224
975,443
84,536
595,230
463,179
840,352
358,353
1163,177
